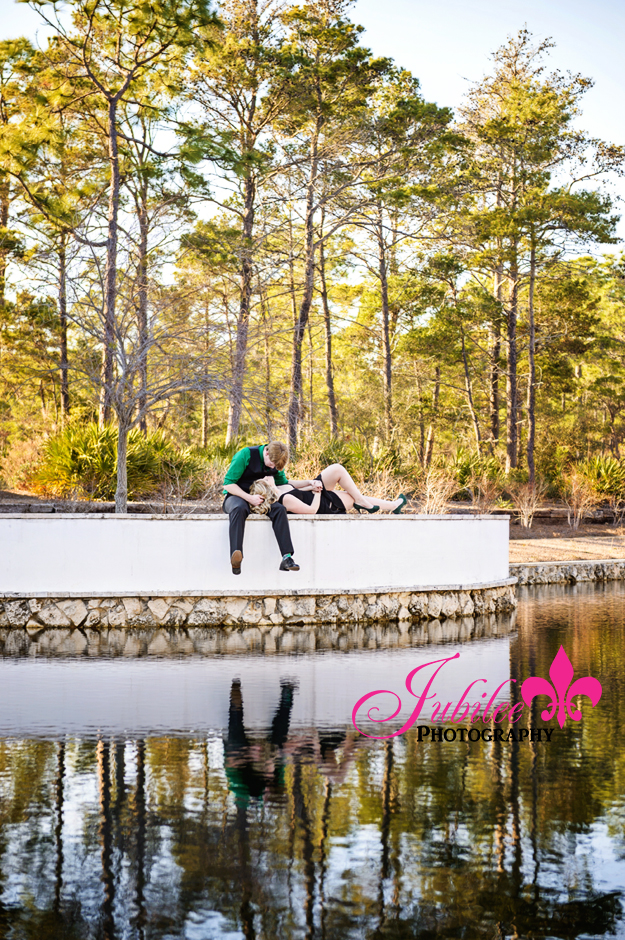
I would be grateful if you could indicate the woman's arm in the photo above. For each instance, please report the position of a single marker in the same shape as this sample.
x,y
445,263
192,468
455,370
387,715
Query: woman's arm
x,y
307,485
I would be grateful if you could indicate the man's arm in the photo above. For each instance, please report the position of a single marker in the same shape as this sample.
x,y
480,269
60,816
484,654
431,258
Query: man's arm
x,y
237,468
233,489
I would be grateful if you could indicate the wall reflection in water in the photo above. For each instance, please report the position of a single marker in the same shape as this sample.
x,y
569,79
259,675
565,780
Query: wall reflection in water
x,y
296,833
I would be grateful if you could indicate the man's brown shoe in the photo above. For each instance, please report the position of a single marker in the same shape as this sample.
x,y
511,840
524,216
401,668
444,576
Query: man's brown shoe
x,y
235,560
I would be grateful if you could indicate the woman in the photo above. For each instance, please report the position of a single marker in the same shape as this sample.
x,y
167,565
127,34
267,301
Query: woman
x,y
321,496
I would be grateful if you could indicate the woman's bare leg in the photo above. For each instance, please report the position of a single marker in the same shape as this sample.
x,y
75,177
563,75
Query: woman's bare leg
x,y
346,499
336,475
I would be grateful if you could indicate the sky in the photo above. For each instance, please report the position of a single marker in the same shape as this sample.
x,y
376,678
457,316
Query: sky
x,y
447,43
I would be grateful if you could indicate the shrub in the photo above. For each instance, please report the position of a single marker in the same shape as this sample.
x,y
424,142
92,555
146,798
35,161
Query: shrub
x,y
20,463
211,479
485,492
526,498
365,465
434,491
580,496
81,461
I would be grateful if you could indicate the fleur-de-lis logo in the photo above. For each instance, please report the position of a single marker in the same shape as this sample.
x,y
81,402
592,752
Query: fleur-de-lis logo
x,y
561,673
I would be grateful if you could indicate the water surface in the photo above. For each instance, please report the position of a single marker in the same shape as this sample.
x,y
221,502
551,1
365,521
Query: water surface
x,y
182,789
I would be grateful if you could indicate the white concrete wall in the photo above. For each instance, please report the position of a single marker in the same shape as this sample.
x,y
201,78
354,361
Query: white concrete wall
x,y
93,555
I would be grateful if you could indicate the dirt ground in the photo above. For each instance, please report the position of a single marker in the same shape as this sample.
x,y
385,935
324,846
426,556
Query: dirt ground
x,y
547,540
561,543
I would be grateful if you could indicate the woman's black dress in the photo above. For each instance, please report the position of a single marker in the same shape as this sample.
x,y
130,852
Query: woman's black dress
x,y
329,503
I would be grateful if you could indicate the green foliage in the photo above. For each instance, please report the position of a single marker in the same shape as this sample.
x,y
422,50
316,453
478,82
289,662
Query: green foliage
x,y
359,458
606,475
417,341
466,466
82,461
221,451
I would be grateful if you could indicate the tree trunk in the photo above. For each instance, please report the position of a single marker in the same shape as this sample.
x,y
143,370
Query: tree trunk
x,y
121,493
58,826
293,415
110,278
429,446
327,322
266,361
240,352
205,396
4,222
495,352
142,311
531,380
106,840
140,827
469,390
495,346
205,418
511,369
519,433
64,365
311,401
421,416
387,374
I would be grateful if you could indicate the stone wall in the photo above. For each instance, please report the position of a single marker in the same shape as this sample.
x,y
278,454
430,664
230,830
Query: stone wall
x,y
568,572
35,614
114,642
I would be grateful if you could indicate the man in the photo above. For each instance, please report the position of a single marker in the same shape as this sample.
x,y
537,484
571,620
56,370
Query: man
x,y
248,465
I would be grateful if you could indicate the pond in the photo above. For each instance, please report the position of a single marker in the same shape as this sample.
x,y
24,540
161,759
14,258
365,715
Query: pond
x,y
196,785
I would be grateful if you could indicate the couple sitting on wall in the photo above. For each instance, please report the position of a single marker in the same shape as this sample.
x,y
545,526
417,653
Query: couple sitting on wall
x,y
256,482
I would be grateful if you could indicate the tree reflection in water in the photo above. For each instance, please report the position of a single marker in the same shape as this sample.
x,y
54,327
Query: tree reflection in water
x,y
324,834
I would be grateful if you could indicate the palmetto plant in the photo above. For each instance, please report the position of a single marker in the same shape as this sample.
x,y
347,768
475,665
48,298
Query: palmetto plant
x,y
606,475
82,460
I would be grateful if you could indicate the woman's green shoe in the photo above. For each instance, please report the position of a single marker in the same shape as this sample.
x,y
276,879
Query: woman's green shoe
x,y
365,509
404,500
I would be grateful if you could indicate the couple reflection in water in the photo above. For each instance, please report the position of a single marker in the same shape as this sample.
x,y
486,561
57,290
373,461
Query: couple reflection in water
x,y
257,770
254,767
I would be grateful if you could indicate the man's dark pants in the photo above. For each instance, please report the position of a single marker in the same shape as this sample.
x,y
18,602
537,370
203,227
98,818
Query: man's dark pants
x,y
239,509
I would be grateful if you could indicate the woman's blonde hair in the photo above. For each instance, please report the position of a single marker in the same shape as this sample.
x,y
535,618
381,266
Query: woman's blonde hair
x,y
269,493
278,454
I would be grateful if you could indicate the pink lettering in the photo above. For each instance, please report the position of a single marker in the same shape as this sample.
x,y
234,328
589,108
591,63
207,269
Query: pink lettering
x,y
485,717
417,709
467,707
502,705
520,706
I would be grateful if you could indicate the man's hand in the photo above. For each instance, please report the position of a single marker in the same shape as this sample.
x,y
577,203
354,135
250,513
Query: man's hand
x,y
254,499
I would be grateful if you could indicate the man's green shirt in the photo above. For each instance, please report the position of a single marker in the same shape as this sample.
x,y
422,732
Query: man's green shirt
x,y
240,462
